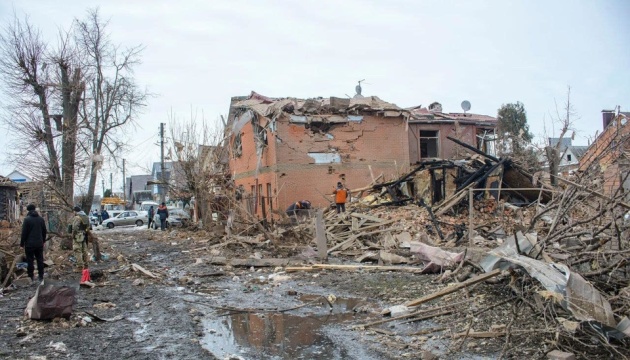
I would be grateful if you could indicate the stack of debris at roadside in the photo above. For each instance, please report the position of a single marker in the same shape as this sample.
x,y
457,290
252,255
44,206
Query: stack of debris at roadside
x,y
560,251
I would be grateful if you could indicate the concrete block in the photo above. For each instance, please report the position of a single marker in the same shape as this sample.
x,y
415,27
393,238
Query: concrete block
x,y
560,355
398,310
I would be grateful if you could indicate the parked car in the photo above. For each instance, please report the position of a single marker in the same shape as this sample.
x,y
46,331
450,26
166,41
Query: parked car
x,y
176,217
93,220
126,218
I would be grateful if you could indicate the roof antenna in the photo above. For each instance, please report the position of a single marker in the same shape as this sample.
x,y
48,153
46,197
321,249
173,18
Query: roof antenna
x,y
358,87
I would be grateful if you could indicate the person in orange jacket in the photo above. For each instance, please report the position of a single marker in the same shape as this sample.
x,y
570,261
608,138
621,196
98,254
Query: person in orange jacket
x,y
341,196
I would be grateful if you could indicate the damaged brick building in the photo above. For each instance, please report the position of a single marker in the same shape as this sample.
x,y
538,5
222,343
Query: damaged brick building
x,y
286,149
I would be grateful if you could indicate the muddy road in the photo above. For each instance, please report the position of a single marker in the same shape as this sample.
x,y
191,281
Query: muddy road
x,y
196,310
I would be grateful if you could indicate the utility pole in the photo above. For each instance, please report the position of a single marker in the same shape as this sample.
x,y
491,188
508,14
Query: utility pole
x,y
111,184
124,183
163,169
103,183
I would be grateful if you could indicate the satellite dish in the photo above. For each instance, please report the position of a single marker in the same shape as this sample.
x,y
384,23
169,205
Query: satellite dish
x,y
465,105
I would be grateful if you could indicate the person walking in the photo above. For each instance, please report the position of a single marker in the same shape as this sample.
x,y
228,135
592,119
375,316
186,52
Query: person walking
x,y
151,213
80,226
162,212
32,240
104,215
341,196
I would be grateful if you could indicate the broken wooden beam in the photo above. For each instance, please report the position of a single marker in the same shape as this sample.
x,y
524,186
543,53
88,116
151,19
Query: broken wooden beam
x,y
264,262
11,270
355,268
320,236
136,267
473,149
454,288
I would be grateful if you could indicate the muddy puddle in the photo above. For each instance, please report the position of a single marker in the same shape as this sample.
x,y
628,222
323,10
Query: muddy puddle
x,y
319,331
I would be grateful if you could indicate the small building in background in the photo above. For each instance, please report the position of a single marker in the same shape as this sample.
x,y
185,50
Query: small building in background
x,y
9,202
19,177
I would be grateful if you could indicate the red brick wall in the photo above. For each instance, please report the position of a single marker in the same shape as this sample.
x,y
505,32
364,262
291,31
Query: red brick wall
x,y
605,152
376,142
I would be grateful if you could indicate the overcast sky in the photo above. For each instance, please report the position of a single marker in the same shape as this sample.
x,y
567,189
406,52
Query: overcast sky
x,y
200,53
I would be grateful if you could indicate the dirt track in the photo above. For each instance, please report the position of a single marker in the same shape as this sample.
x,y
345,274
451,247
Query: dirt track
x,y
183,314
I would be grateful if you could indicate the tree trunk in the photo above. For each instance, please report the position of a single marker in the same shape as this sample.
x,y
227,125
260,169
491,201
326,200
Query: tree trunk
x,y
554,163
71,96
55,172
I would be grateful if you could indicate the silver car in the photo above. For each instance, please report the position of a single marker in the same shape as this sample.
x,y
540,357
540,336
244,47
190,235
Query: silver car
x,y
137,218
176,217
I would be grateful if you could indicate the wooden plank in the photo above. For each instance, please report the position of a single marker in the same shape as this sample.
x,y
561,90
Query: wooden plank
x,y
11,270
367,217
290,269
353,237
137,267
454,288
320,236
264,262
367,268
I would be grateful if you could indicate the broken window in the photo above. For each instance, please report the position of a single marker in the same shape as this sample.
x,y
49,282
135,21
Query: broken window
x,y
568,157
318,126
428,144
486,141
237,146
260,133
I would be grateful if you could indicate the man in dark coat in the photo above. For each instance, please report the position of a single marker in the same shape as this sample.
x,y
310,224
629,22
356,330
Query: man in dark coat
x,y
162,212
32,240
151,213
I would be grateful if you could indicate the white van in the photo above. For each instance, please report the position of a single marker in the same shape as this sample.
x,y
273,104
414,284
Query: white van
x,y
145,205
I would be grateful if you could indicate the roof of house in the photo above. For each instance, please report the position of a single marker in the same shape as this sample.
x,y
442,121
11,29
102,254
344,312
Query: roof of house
x,y
424,114
267,106
6,182
270,107
565,142
579,151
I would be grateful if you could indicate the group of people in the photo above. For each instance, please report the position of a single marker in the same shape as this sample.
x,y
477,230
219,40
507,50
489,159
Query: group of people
x,y
162,212
342,195
102,215
34,231
33,239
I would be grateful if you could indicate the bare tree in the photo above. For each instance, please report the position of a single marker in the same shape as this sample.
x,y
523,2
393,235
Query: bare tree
x,y
200,165
40,81
113,99
554,152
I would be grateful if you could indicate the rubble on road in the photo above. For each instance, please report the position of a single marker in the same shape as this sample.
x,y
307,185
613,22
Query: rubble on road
x,y
480,250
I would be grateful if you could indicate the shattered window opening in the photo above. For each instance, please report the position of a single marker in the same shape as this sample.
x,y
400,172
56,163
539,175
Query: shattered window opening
x,y
428,144
237,146
317,126
486,141
260,133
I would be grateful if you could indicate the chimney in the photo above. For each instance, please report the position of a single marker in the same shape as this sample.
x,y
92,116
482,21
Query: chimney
x,y
607,117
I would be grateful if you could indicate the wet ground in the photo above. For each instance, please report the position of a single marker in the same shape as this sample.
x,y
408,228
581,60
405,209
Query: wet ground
x,y
196,310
